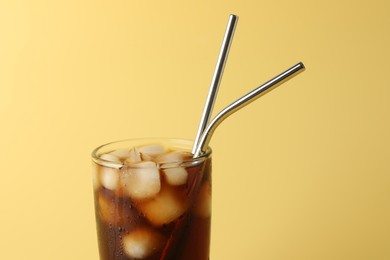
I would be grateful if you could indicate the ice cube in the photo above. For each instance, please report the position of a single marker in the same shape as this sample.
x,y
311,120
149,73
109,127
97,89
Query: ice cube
x,y
111,160
142,181
169,157
121,153
146,157
134,156
110,157
202,207
142,243
153,149
176,175
165,207
175,156
109,177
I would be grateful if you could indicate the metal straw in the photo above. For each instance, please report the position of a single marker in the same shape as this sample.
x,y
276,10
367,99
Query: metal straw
x,y
224,51
240,103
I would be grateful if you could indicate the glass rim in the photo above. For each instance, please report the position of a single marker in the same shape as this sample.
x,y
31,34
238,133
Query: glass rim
x,y
184,163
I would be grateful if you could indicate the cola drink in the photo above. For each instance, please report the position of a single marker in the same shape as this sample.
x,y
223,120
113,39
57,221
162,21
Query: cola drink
x,y
152,200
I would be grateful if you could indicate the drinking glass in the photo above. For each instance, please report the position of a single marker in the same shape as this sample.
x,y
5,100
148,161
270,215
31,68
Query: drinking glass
x,y
152,200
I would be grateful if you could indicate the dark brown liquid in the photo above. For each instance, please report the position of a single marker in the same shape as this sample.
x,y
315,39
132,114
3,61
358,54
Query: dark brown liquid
x,y
185,238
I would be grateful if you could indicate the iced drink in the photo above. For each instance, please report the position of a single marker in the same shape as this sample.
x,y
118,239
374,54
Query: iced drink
x,y
152,200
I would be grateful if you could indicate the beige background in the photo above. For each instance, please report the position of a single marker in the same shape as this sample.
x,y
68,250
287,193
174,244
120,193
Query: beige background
x,y
302,173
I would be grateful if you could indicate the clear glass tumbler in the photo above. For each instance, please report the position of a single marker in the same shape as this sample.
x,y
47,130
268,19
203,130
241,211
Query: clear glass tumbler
x,y
152,200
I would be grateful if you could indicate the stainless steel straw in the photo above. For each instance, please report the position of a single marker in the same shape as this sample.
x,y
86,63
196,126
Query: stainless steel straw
x,y
213,90
240,103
